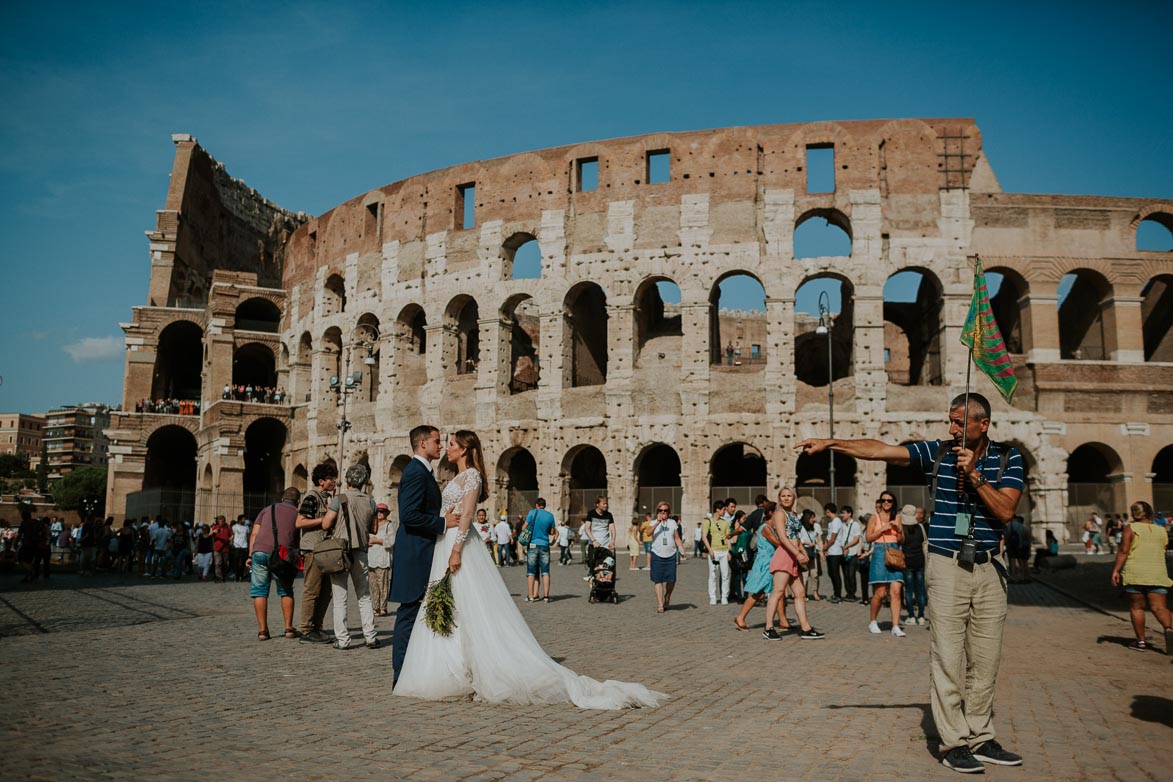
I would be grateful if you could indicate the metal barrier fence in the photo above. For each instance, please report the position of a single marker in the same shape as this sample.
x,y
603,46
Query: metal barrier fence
x,y
1163,497
1082,500
743,494
649,495
179,504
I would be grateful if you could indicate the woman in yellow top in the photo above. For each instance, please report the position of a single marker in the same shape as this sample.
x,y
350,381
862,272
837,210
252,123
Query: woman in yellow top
x,y
1140,568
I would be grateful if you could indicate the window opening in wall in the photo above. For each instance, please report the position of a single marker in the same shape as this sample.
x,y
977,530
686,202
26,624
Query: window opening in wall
x,y
466,199
587,174
527,261
912,328
737,319
1082,295
371,227
820,168
585,336
822,234
1156,312
524,344
1007,290
658,324
659,167
810,347
1155,234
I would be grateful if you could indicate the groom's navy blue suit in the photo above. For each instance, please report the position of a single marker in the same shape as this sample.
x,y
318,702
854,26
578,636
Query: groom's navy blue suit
x,y
420,523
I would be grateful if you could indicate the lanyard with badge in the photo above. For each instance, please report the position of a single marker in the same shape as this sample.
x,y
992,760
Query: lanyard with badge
x,y
966,519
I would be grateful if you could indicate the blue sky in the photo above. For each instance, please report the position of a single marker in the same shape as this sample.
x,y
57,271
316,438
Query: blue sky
x,y
315,103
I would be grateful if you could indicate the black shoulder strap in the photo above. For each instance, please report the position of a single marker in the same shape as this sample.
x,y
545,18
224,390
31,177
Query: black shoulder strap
x,y
344,504
273,520
939,457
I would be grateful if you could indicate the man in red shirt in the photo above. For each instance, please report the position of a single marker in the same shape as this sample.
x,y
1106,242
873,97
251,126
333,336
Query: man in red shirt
x,y
221,547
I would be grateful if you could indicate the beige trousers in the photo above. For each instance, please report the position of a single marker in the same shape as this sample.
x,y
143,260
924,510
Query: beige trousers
x,y
967,611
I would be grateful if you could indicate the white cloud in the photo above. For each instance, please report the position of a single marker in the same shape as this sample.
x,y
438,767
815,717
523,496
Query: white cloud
x,y
95,349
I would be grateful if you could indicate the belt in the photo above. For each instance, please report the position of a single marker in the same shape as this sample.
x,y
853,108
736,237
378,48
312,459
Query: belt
x,y
981,558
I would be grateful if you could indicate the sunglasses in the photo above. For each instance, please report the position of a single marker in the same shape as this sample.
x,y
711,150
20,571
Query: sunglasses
x,y
887,502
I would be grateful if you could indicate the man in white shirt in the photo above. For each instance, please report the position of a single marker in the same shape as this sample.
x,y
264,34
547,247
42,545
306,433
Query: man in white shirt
x,y
240,531
564,534
502,533
844,541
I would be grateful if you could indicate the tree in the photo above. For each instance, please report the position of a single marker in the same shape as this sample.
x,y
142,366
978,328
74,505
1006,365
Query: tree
x,y
81,490
43,469
14,465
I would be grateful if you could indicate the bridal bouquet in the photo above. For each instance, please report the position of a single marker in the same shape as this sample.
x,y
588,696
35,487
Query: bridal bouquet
x,y
440,606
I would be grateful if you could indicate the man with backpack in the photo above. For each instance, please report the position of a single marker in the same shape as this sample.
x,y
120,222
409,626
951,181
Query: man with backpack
x,y
974,488
351,518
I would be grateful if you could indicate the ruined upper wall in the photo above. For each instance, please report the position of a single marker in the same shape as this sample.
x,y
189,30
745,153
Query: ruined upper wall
x,y
210,222
907,162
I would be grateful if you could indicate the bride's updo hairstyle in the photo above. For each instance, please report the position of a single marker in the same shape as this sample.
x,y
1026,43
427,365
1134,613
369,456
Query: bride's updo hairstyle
x,y
476,458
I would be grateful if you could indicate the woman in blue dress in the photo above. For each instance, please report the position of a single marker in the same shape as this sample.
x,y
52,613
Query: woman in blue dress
x,y
760,581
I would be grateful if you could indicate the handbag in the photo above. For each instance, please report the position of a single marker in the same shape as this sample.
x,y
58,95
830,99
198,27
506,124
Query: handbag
x,y
894,558
332,555
283,563
526,536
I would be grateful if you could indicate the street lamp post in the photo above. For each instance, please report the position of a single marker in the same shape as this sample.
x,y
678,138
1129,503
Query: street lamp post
x,y
350,381
825,328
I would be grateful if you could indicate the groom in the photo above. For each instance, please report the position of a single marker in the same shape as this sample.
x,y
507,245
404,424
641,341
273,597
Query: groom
x,y
420,523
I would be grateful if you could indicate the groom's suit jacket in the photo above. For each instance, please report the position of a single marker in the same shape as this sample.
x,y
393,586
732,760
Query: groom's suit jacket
x,y
420,523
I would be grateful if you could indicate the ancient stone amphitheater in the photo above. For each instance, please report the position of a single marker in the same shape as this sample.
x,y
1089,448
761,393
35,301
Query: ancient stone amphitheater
x,y
574,307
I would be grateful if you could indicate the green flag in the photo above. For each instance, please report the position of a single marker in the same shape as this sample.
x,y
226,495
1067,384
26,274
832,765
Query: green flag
x,y
981,335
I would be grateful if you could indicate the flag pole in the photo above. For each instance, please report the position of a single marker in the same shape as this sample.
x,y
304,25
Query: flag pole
x,y
969,366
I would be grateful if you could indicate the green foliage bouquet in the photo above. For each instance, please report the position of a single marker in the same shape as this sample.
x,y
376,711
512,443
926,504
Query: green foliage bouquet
x,y
440,606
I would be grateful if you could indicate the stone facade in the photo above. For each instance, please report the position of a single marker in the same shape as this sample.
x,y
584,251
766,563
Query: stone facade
x,y
412,284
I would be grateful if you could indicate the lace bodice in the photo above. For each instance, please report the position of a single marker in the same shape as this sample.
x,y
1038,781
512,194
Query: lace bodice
x,y
460,486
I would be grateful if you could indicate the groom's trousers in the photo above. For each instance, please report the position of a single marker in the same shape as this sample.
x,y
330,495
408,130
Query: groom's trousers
x,y
404,620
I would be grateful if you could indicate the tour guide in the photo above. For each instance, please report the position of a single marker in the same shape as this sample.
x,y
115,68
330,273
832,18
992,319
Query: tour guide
x,y
974,485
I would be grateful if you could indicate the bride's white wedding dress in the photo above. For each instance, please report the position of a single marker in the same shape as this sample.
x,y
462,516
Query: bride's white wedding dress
x,y
492,655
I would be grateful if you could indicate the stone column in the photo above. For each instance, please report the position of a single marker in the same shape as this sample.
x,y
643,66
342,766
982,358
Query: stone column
x,y
694,359
871,379
493,369
620,359
779,372
1040,322
1124,329
554,359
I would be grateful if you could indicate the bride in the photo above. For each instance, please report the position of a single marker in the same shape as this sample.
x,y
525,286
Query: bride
x,y
491,654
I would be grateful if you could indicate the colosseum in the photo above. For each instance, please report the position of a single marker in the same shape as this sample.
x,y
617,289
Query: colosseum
x,y
576,307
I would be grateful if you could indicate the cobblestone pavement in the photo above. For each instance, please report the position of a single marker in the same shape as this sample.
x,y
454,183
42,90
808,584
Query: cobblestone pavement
x,y
145,679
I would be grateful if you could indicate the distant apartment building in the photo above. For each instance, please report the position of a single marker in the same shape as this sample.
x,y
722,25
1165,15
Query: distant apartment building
x,y
21,433
74,437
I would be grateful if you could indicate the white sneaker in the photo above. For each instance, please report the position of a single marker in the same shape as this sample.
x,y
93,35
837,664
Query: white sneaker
x,y
920,620
712,602
896,631
874,628
724,602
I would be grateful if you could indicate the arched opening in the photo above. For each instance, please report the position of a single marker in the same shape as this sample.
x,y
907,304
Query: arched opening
x,y
1008,300
1163,480
811,348
517,479
1156,312
738,470
258,314
206,480
264,477
813,480
394,477
522,257
913,307
331,360
1090,486
368,352
253,367
334,296
411,346
301,478
462,331
584,471
1082,296
657,321
657,479
584,342
177,362
169,474
525,339
822,233
1155,233
737,322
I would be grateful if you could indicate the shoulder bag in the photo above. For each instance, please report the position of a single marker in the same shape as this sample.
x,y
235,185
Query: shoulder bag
x,y
332,555
283,562
526,536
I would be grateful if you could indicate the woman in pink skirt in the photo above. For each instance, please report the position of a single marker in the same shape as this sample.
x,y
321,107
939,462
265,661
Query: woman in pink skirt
x,y
784,567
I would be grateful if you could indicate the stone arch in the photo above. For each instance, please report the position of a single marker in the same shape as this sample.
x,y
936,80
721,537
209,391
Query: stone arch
x,y
462,336
584,477
178,362
657,471
737,470
524,334
253,364
518,260
517,480
1083,295
334,295
812,478
913,324
737,337
411,346
301,478
1009,303
584,336
264,476
832,238
810,346
394,477
657,318
1157,318
1148,225
1162,471
1094,472
258,314
369,352
171,459
332,355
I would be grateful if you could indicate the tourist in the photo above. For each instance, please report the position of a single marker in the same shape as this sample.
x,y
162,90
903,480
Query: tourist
x,y
715,538
1050,549
564,535
502,534
381,545
180,548
886,533
1113,530
633,544
740,557
483,528
599,529
1140,569
239,547
316,591
852,533
537,555
863,561
914,563
203,549
760,582
350,518
784,568
811,538
1018,550
697,550
221,548
666,546
260,553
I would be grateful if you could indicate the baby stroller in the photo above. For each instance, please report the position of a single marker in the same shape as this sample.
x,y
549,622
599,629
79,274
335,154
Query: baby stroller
x,y
602,579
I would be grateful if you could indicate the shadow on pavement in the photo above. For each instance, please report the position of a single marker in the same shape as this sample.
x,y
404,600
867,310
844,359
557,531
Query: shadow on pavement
x,y
1153,708
928,728
1119,640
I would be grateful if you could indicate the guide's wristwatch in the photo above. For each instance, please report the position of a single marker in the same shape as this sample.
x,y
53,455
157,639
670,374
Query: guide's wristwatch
x,y
980,482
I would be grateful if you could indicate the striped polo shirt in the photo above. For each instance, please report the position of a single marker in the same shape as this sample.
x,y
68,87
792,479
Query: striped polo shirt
x,y
946,504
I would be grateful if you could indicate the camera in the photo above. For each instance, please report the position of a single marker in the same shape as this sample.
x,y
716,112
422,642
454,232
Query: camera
x,y
968,553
